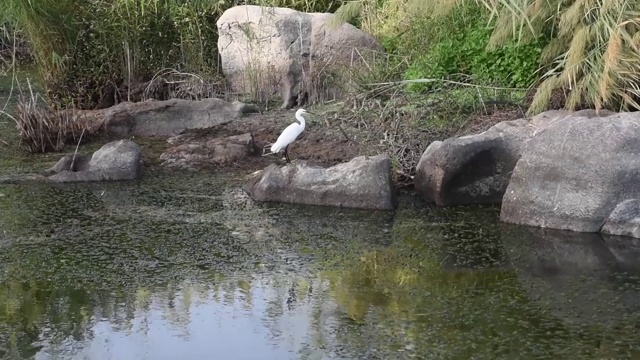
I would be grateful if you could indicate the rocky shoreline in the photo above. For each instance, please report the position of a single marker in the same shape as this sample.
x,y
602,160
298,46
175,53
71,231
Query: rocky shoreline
x,y
560,169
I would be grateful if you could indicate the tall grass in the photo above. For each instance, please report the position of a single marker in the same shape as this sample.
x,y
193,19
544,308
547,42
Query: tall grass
x,y
590,51
595,52
84,49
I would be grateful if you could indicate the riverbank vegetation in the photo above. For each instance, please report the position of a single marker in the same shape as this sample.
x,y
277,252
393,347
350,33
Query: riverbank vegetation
x,y
451,67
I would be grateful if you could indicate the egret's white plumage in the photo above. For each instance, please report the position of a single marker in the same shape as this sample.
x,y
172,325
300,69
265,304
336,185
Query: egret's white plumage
x,y
290,134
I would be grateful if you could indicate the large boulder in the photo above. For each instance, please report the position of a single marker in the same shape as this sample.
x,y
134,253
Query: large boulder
x,y
575,172
194,154
269,51
472,169
116,160
160,118
364,182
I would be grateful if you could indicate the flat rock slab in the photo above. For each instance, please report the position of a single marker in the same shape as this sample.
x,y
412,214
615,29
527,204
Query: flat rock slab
x,y
205,152
364,182
161,118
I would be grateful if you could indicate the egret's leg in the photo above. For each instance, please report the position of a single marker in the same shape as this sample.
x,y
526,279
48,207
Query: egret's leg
x,y
286,154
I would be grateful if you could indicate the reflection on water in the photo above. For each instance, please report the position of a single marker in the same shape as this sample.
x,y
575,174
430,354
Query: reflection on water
x,y
190,268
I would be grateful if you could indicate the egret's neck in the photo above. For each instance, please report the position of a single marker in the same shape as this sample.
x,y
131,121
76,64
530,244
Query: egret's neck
x,y
300,119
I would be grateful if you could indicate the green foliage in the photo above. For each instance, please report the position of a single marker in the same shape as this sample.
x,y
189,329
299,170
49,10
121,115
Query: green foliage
x,y
587,49
458,51
513,65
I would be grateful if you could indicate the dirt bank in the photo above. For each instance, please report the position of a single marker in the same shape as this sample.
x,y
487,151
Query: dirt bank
x,y
321,142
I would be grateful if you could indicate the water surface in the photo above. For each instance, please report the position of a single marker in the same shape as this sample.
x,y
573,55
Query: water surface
x,y
187,267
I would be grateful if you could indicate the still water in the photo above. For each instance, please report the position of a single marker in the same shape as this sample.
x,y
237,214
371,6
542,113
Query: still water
x,y
189,268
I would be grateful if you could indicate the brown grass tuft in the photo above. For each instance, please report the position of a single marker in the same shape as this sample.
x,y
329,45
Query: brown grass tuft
x,y
611,59
42,129
575,57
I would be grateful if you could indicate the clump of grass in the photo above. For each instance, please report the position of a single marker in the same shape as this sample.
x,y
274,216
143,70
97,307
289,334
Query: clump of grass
x,y
42,129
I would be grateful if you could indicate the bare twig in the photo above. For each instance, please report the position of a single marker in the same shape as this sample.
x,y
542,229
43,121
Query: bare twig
x,y
13,71
420,81
73,160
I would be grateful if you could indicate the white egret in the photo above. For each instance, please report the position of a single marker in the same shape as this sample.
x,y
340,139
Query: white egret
x,y
289,135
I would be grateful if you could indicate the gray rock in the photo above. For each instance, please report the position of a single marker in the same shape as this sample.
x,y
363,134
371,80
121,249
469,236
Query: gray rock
x,y
543,120
71,162
303,54
364,182
472,169
158,118
574,172
204,152
117,160
624,220
170,117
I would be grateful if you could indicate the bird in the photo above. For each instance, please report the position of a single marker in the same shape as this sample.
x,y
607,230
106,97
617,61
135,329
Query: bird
x,y
289,135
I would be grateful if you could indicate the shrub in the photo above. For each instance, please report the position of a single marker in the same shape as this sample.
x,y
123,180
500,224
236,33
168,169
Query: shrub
x,y
42,129
444,42
458,49
447,39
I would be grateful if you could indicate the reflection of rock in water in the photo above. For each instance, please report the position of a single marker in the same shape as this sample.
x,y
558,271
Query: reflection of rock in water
x,y
577,276
323,223
459,238
244,218
229,207
626,251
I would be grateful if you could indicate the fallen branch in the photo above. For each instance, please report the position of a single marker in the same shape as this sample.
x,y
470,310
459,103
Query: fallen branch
x,y
451,82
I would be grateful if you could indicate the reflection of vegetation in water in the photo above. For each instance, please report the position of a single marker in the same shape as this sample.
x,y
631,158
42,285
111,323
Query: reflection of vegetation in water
x,y
78,255
424,282
32,308
406,288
